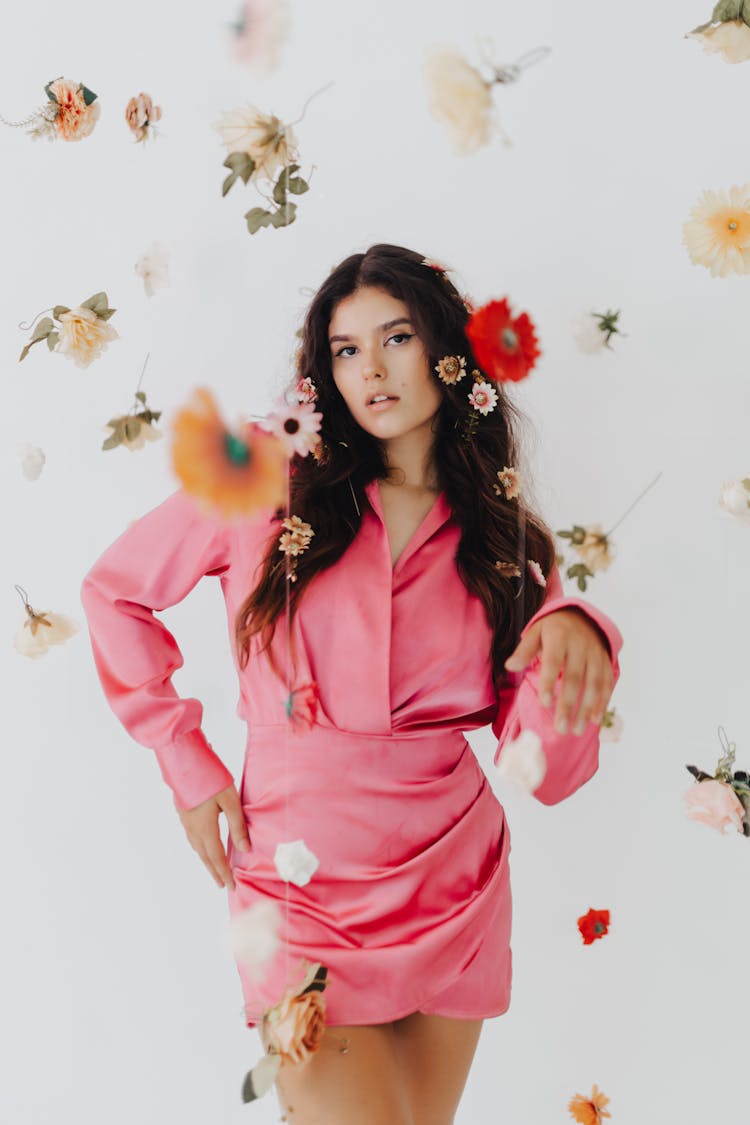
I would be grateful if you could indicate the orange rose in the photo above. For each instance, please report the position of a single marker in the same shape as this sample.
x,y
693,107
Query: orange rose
x,y
297,1025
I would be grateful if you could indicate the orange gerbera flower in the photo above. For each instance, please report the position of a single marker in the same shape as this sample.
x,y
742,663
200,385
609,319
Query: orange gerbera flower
x,y
589,1111
505,346
235,473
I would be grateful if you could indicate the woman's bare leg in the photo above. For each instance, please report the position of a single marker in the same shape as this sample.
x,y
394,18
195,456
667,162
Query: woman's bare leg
x,y
435,1054
365,1085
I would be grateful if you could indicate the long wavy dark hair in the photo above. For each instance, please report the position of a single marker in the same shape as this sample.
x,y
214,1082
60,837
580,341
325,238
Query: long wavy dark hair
x,y
322,491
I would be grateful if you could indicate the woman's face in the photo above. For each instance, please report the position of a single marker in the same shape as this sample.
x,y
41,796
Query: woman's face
x,y
375,351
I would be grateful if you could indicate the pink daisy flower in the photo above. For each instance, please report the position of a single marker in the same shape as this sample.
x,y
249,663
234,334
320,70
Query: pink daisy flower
x,y
483,397
296,425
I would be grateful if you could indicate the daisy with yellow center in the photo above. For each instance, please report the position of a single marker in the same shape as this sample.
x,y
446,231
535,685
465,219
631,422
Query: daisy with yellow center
x,y
717,233
233,473
451,368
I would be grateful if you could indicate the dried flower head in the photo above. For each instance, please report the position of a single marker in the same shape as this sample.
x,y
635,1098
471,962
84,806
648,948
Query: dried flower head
x,y
717,234
451,368
589,1110
140,115
510,483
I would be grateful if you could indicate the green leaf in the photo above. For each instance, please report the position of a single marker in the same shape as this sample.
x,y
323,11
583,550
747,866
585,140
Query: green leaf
x,y
726,10
228,183
24,353
745,482
285,215
298,186
141,396
59,310
48,90
279,191
565,534
43,329
98,303
88,95
257,217
52,340
112,441
292,168
105,314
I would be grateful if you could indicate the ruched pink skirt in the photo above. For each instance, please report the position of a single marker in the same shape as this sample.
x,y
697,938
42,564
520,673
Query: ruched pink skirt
x,y
410,906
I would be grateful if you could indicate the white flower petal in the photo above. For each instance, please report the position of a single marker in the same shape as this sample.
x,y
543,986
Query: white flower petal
x,y
32,461
295,862
254,935
523,762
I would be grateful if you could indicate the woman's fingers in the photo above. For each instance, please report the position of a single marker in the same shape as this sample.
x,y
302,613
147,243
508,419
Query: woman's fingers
x,y
231,806
572,682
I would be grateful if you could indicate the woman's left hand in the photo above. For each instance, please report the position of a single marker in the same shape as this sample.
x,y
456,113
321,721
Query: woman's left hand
x,y
570,641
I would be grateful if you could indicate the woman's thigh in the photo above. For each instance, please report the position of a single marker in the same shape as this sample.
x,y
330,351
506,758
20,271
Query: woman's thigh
x,y
435,1054
362,1085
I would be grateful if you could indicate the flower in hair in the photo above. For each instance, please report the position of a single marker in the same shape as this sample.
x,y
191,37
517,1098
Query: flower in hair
x,y
293,541
508,569
83,332
717,233
451,368
510,482
233,471
483,397
262,147
296,425
537,572
505,346
728,32
70,113
306,391
438,267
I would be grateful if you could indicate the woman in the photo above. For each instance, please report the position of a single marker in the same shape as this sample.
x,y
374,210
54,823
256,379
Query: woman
x,y
417,611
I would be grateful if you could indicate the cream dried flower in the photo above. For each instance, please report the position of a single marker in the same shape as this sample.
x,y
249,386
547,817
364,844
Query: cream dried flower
x,y
295,862
459,97
611,726
510,483
38,631
730,38
263,137
536,572
32,461
153,268
595,549
735,499
451,368
83,335
717,233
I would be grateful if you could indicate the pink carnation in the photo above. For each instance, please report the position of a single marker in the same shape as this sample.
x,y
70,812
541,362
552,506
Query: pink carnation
x,y
716,804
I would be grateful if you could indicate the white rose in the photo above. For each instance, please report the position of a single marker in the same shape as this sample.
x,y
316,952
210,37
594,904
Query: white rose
x,y
83,335
735,499
295,862
32,461
459,97
254,935
523,762
588,333
153,268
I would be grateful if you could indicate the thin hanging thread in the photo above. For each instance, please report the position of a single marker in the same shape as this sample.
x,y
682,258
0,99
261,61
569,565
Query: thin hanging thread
x,y
630,509
288,722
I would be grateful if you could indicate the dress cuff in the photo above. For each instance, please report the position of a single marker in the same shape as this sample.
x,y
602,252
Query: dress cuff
x,y
192,770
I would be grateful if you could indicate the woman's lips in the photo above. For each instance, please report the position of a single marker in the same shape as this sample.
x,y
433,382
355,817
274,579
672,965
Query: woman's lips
x,y
382,404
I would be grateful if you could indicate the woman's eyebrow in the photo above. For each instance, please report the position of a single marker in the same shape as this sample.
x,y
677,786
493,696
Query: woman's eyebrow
x,y
381,328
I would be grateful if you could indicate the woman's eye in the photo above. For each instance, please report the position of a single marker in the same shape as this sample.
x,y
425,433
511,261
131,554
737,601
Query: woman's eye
x,y
402,336
347,347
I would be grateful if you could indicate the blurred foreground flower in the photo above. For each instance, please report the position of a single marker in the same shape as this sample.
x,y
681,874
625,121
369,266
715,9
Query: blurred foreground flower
x,y
153,268
589,1110
717,233
259,34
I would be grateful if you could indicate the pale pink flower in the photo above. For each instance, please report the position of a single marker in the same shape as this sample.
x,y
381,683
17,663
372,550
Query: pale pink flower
x,y
306,391
483,397
140,113
75,120
254,935
260,34
296,425
537,572
716,804
735,499
523,762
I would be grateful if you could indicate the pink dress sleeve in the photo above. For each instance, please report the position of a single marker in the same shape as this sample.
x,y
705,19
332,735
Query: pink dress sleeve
x,y
152,565
571,758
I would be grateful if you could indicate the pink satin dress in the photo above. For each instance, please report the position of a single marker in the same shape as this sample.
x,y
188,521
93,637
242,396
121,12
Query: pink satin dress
x,y
410,906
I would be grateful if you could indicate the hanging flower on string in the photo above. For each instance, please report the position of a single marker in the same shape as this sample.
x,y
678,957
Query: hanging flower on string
x,y
83,332
460,97
589,1109
611,726
70,113
293,542
721,800
140,115
735,499
294,1030
133,430
295,863
505,346
38,631
236,472
593,331
153,268
296,425
717,233
727,32
259,33
32,460
593,925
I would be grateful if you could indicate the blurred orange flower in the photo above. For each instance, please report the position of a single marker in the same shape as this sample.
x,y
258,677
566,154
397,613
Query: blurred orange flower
x,y
589,1110
235,473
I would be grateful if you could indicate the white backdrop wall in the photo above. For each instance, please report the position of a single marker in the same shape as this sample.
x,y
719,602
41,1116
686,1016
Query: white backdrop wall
x,y
120,999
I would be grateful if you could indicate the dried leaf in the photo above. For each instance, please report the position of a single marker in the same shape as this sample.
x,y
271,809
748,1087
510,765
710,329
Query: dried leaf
x,y
257,217
59,310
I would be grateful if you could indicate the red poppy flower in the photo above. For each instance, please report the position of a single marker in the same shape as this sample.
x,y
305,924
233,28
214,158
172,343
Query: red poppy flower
x,y
302,706
593,925
506,347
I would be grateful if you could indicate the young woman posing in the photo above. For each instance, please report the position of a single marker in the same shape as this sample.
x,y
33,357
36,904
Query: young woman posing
x,y
412,634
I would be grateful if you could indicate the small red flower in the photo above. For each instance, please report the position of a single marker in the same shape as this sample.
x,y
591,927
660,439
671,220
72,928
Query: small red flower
x,y
302,706
593,925
505,347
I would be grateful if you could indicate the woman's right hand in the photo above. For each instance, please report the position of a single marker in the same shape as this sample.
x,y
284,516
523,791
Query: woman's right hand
x,y
201,825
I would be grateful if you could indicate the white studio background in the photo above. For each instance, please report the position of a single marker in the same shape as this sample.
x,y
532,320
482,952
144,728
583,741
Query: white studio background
x,y
120,999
